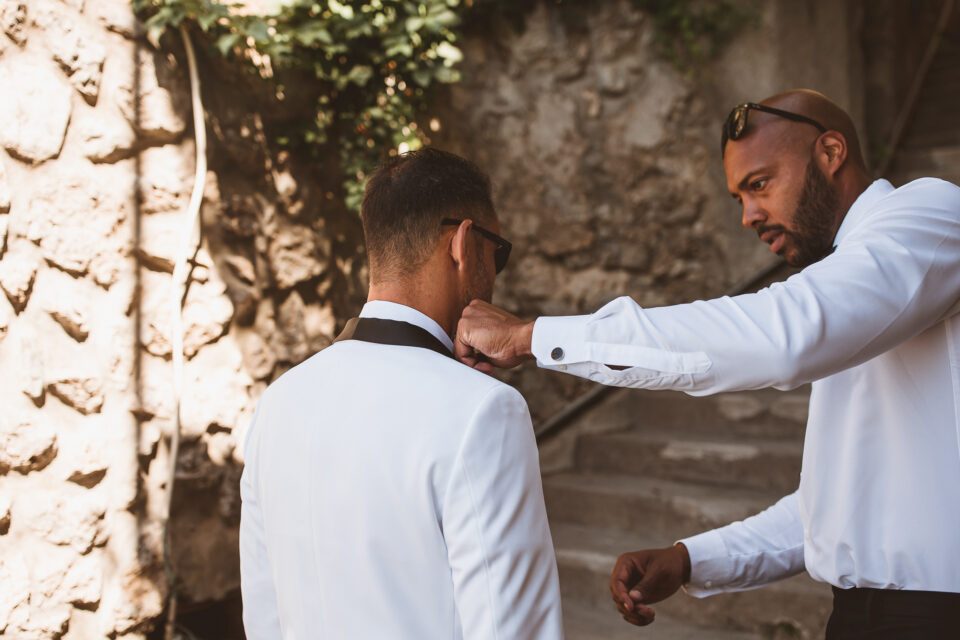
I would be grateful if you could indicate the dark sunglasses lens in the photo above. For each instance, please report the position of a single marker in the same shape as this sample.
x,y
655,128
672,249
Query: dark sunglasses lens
x,y
500,257
739,122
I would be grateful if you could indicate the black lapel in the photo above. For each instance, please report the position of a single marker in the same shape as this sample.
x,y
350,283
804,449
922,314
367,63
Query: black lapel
x,y
394,332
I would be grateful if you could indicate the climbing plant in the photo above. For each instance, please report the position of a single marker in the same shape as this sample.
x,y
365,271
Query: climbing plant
x,y
376,60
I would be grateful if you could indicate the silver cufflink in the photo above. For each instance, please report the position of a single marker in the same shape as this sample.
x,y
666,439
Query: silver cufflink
x,y
557,353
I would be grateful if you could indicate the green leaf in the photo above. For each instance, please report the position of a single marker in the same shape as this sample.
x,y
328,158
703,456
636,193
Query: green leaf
x,y
449,53
257,29
227,42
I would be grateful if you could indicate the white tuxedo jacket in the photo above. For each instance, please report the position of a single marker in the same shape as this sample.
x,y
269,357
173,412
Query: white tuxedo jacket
x,y
392,492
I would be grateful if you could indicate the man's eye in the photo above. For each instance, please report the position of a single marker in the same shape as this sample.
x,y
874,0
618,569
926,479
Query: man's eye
x,y
757,185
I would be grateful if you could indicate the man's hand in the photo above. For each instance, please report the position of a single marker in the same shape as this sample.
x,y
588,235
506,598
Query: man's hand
x,y
644,577
500,338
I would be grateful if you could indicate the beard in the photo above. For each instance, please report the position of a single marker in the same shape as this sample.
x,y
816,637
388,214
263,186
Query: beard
x,y
813,220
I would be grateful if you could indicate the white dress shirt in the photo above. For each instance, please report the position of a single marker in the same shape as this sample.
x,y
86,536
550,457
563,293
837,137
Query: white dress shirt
x,y
392,492
872,327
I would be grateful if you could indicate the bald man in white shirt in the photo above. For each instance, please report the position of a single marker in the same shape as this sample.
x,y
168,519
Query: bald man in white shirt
x,y
871,321
389,491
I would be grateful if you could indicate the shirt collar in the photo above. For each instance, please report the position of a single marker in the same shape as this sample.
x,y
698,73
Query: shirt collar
x,y
861,206
393,311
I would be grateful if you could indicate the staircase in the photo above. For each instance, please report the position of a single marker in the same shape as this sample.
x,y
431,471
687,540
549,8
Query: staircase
x,y
665,466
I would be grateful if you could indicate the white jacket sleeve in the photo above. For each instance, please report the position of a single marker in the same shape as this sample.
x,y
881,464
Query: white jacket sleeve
x,y
747,554
495,527
261,618
895,274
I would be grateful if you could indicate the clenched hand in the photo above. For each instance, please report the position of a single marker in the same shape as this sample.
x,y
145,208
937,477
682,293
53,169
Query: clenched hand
x,y
488,335
641,578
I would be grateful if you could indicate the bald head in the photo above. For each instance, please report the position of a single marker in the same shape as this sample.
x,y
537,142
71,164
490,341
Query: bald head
x,y
787,136
819,107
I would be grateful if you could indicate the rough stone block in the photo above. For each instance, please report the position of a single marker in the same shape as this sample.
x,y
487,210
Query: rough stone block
x,y
115,15
166,178
26,447
83,394
67,520
215,392
13,19
37,114
61,298
18,270
132,599
105,137
206,317
14,592
31,361
75,217
87,466
157,107
160,239
83,583
296,254
75,45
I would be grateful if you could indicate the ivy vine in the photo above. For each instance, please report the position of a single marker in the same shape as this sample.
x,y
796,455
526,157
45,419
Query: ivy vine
x,y
376,60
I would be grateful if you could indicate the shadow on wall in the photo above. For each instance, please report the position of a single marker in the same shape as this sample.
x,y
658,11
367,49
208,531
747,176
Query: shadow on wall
x,y
278,271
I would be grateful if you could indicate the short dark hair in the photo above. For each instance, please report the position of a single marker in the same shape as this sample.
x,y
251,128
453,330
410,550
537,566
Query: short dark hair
x,y
406,199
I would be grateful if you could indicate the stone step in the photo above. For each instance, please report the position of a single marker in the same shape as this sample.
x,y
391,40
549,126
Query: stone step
x,y
655,505
589,623
794,608
673,455
769,414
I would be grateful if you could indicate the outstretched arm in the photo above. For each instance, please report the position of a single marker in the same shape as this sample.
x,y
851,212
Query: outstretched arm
x,y
887,281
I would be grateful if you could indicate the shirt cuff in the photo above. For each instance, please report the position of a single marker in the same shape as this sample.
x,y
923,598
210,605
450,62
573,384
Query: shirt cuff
x,y
709,564
561,340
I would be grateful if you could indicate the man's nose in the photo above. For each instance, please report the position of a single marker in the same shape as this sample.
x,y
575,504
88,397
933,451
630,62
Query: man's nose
x,y
752,216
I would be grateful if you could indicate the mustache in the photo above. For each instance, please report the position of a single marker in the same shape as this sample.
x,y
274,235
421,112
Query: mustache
x,y
773,227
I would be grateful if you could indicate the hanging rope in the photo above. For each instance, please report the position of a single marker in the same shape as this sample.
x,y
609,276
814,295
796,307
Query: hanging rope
x,y
189,243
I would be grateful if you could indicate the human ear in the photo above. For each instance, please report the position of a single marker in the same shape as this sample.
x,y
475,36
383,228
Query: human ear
x,y
459,244
831,152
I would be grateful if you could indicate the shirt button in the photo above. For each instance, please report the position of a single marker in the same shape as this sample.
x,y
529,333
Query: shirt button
x,y
557,353
708,584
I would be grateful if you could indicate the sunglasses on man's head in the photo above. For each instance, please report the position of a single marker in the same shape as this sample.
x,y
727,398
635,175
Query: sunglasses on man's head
x,y
736,124
501,252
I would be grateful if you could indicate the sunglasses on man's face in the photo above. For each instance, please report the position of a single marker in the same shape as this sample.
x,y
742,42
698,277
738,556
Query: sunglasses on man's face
x,y
501,252
736,124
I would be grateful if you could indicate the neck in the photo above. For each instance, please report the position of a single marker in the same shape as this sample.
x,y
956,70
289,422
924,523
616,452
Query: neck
x,y
851,187
423,299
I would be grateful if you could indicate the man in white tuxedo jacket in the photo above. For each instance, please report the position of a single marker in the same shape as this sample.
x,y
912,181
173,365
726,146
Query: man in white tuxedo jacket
x,y
390,491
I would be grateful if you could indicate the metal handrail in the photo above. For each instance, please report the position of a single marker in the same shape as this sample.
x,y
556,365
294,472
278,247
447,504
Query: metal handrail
x,y
556,423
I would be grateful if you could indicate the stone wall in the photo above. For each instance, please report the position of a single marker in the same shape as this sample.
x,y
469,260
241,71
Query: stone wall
x,y
95,174
605,169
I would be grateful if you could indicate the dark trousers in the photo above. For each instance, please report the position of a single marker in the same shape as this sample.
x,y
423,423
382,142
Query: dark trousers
x,y
886,614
